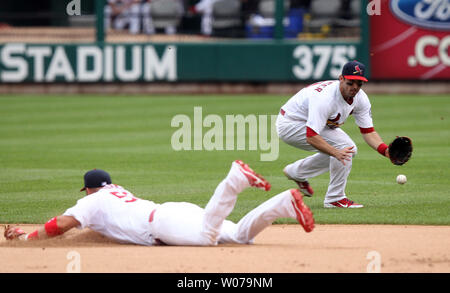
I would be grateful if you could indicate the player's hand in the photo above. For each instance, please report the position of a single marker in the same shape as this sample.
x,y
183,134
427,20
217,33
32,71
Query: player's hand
x,y
12,232
344,154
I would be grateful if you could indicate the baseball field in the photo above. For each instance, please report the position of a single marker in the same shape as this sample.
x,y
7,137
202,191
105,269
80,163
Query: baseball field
x,y
178,148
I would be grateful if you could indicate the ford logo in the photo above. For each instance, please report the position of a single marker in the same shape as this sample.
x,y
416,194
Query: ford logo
x,y
430,14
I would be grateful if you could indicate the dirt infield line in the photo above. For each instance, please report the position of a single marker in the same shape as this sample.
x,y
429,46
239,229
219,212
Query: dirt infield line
x,y
278,249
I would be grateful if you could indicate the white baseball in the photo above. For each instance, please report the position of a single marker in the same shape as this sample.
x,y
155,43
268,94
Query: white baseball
x,y
401,179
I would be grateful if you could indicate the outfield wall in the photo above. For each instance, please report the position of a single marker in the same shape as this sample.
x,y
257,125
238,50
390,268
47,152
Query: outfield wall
x,y
194,68
180,62
404,44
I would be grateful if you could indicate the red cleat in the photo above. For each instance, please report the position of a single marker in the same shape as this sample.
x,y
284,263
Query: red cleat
x,y
254,179
304,214
304,186
343,203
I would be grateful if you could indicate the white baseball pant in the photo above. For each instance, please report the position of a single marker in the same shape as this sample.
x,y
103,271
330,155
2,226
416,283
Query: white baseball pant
x,y
293,132
182,223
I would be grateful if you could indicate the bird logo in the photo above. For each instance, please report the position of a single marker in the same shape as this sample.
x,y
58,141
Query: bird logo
x,y
334,122
358,70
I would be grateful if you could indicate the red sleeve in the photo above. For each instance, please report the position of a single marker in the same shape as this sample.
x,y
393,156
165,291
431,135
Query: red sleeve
x,y
382,149
310,132
366,130
52,229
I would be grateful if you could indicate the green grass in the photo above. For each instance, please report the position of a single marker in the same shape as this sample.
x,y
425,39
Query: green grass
x,y
48,142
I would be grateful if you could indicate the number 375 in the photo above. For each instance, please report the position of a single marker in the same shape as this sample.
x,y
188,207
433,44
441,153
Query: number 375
x,y
327,56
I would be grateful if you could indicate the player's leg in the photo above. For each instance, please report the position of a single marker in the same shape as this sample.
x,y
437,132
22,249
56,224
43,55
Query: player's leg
x,y
224,198
338,171
187,224
178,223
294,133
288,204
308,167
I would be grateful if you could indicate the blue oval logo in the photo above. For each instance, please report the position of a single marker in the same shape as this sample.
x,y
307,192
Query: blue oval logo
x,y
430,14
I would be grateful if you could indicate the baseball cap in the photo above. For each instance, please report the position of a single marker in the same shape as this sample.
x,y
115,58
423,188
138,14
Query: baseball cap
x,y
354,70
96,178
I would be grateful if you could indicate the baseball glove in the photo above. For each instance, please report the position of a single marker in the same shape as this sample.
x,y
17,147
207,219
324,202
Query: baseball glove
x,y
400,150
12,232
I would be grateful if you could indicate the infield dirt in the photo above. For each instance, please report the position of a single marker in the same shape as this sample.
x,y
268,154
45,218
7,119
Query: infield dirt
x,y
278,249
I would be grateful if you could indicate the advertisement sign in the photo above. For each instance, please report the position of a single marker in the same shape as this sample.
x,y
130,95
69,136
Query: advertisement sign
x,y
233,61
410,39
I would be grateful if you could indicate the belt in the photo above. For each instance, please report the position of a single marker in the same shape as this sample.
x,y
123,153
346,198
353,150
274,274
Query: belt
x,y
150,219
152,215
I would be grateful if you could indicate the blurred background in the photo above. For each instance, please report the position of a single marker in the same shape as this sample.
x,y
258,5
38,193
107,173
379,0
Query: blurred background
x,y
185,45
145,19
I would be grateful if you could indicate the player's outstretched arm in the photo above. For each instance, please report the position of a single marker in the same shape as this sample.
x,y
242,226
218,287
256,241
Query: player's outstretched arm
x,y
374,140
54,227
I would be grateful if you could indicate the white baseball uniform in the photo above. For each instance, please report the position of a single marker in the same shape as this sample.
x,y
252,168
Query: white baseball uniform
x,y
322,108
116,213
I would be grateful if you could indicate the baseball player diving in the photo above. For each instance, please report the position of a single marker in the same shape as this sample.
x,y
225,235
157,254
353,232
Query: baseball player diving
x,y
116,213
310,120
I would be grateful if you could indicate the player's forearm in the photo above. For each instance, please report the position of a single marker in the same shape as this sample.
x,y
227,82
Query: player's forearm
x,y
54,227
320,144
374,140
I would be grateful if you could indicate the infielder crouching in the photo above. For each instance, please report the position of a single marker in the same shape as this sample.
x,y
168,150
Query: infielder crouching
x,y
310,121
116,213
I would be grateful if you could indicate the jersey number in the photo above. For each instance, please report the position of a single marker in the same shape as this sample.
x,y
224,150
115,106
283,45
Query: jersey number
x,y
125,195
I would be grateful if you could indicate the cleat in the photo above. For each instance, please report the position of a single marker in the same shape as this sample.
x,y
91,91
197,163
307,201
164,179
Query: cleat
x,y
304,214
343,203
303,186
254,179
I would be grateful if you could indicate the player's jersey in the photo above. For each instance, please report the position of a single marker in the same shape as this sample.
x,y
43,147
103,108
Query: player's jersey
x,y
321,105
116,213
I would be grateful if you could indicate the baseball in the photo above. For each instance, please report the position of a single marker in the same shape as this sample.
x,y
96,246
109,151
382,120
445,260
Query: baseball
x,y
401,179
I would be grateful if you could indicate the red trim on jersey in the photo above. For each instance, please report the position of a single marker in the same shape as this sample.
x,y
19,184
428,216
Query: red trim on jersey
x,y
152,215
32,236
382,149
51,228
310,132
366,130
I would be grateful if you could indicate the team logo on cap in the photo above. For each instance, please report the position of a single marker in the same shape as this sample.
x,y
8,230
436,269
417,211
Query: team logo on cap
x,y
358,70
